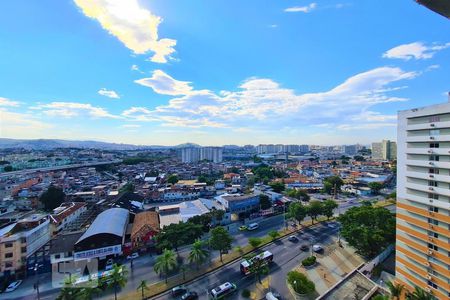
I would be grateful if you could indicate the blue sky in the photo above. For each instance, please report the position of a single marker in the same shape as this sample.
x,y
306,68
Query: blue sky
x,y
217,72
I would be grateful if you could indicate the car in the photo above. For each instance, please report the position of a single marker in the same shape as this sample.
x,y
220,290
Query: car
x,y
189,296
13,286
252,226
242,228
292,238
273,296
179,290
317,248
133,255
304,247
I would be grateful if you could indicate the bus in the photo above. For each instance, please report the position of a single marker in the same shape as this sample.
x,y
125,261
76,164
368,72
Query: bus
x,y
223,290
266,256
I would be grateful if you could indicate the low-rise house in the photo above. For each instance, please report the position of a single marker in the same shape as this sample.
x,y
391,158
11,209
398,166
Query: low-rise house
x,y
145,227
65,214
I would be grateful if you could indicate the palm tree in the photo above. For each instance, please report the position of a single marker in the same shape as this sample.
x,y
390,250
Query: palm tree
x,y
183,269
395,289
68,292
88,293
143,286
419,294
198,255
165,263
118,278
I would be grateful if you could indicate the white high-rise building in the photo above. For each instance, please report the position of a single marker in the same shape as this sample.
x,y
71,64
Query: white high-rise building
x,y
214,154
423,199
190,154
384,150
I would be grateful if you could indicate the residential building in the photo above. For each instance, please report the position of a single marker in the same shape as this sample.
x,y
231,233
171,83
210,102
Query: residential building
x,y
384,150
350,149
145,227
65,214
423,197
214,154
237,203
190,154
20,240
183,211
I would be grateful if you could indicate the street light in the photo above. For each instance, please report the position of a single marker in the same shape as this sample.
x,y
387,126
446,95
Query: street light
x,y
36,285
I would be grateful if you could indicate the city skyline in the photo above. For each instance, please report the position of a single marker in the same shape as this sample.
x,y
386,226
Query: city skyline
x,y
152,73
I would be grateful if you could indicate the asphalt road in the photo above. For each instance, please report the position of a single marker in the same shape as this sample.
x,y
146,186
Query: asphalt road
x,y
287,255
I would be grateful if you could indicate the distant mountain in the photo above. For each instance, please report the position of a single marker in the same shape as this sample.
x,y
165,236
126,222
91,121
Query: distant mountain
x,y
48,144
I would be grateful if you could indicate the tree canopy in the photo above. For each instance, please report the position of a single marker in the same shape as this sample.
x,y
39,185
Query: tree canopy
x,y
277,186
220,240
328,206
375,187
332,184
369,229
264,201
298,194
172,179
52,197
297,211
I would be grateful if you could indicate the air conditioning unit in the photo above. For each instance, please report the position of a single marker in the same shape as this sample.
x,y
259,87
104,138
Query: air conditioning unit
x,y
428,264
431,213
430,188
431,137
429,277
430,151
430,239
431,175
429,290
430,252
431,226
432,125
431,163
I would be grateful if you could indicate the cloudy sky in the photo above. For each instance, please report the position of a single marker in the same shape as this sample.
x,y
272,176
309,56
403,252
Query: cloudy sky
x,y
217,72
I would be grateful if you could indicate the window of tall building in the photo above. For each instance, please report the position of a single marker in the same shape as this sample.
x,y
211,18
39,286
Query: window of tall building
x,y
432,284
434,119
433,209
8,255
8,245
433,157
433,234
432,183
433,196
433,221
433,171
433,247
434,132
434,145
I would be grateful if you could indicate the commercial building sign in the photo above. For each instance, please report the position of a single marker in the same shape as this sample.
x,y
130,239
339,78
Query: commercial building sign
x,y
99,252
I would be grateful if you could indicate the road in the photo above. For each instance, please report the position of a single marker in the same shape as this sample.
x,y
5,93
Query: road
x,y
143,266
287,255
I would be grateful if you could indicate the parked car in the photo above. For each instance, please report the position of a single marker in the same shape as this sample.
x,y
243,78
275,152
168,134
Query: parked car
x,y
304,247
242,228
293,238
133,255
13,286
189,296
317,248
179,290
273,296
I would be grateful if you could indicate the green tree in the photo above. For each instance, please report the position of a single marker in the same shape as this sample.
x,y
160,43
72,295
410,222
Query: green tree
x,y
419,294
375,187
395,289
165,263
328,206
127,188
368,229
118,278
264,201
273,234
88,293
277,186
254,241
143,287
68,291
198,255
314,209
258,267
8,168
298,194
52,198
297,211
300,283
172,179
220,240
380,297
359,158
392,196
332,184
175,235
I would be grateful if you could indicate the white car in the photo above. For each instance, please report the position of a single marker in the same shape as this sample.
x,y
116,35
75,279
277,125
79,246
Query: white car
x,y
273,296
13,285
133,256
252,226
317,248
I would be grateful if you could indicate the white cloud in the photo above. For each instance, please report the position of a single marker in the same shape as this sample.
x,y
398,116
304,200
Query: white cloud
x,y
416,50
108,93
304,9
273,26
131,126
262,103
164,84
8,102
133,24
74,109
21,125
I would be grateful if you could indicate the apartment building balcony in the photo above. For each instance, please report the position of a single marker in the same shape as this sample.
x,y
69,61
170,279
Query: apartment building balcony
x,y
426,188
428,164
431,125
428,138
428,151
428,176
427,201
